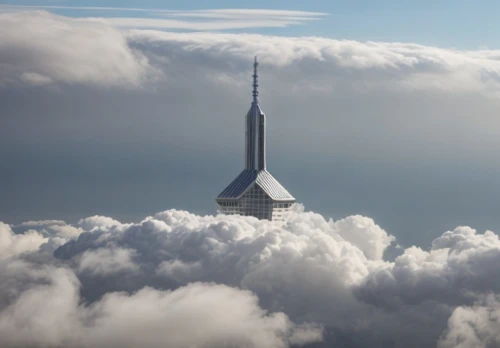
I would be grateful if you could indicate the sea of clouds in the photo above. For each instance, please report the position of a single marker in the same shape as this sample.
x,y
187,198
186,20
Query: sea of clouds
x,y
180,280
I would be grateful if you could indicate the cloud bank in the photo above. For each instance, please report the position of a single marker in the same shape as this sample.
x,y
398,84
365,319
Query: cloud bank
x,y
184,280
38,48
47,48
41,304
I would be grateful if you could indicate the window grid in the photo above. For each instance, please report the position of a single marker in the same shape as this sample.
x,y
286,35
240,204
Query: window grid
x,y
255,202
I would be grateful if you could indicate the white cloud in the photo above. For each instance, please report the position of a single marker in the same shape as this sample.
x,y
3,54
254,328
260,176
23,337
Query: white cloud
x,y
365,234
50,313
474,326
63,231
251,14
197,315
389,65
217,19
47,48
175,248
96,222
321,274
38,223
107,261
202,25
14,244
39,48
49,228
308,255
459,267
217,13
180,271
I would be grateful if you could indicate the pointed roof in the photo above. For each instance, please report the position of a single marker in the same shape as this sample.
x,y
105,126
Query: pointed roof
x,y
263,178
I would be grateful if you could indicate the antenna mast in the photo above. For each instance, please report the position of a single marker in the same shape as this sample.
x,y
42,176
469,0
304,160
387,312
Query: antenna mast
x,y
255,81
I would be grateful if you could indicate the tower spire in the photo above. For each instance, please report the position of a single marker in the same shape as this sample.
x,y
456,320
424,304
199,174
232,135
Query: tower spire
x,y
255,81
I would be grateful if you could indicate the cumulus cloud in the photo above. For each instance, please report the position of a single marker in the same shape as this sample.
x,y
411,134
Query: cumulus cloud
x,y
118,268
310,280
174,248
51,313
107,261
365,234
12,244
474,326
460,265
97,222
53,228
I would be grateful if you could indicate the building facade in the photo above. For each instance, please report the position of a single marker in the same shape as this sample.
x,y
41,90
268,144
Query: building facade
x,y
255,192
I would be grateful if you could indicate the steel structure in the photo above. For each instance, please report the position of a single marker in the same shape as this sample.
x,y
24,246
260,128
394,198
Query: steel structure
x,y
255,192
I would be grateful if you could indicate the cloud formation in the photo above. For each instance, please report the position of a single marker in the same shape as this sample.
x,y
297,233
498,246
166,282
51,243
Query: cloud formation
x,y
47,48
38,48
13,244
407,65
215,19
41,306
310,281
459,265
50,313
474,326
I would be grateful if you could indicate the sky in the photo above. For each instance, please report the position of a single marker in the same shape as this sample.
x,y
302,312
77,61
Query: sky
x,y
120,122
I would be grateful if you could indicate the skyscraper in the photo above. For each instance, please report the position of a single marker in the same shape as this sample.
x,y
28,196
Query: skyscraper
x,y
255,192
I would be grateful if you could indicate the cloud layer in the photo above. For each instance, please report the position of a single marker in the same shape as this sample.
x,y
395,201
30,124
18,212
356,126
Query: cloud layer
x,y
310,281
38,48
41,305
369,64
47,48
216,19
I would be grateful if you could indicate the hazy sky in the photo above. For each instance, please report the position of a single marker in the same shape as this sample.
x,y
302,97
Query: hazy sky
x,y
136,111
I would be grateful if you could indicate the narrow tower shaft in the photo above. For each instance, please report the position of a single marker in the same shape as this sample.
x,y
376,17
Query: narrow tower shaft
x,y
250,136
262,141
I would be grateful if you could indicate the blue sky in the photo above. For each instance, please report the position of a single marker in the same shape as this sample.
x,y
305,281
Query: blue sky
x,y
452,24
